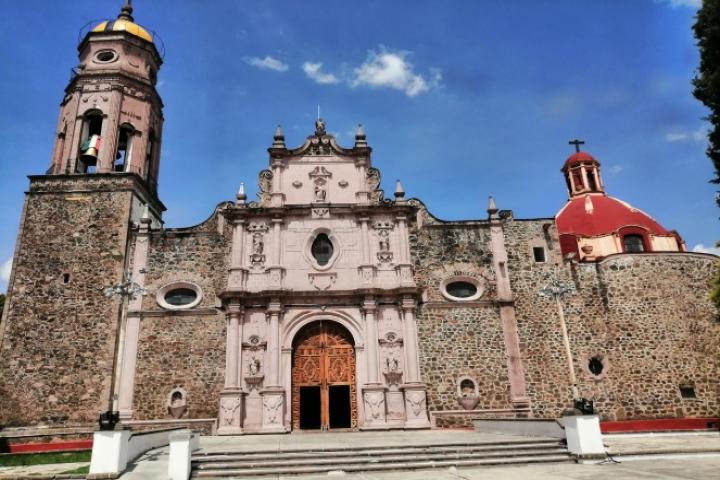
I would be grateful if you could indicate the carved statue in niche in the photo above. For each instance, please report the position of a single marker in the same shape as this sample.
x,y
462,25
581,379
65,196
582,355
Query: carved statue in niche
x,y
320,192
254,366
258,245
391,346
257,257
177,403
256,350
383,228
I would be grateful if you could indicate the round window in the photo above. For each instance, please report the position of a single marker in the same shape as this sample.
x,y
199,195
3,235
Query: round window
x,y
105,56
462,289
179,296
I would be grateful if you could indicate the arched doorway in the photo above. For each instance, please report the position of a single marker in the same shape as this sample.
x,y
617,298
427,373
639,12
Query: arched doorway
x,y
323,377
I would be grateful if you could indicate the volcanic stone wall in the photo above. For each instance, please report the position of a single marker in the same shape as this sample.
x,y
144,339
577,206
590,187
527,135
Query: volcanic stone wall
x,y
458,339
185,348
646,317
58,335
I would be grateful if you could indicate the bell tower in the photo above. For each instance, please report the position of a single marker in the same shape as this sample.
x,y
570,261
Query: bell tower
x,y
76,230
582,172
111,114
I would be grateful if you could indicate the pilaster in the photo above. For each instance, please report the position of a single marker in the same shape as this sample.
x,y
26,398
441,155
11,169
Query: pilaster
x,y
416,415
231,397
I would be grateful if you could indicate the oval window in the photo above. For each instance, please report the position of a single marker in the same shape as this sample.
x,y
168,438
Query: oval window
x,y
322,249
180,297
105,56
461,289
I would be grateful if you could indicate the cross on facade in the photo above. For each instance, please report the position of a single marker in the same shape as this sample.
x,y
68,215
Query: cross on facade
x,y
577,144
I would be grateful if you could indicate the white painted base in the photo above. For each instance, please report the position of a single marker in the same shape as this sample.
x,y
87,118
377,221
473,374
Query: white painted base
x,y
109,452
181,447
584,438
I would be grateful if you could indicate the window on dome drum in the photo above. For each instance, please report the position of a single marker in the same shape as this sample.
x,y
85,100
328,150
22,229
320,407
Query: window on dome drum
x,y
539,254
322,249
461,289
633,243
180,296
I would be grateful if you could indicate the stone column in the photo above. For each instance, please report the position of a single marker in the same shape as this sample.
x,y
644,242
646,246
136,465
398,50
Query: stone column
x,y
273,395
276,271
131,333
231,397
373,391
404,268
367,268
416,415
238,273
109,133
506,301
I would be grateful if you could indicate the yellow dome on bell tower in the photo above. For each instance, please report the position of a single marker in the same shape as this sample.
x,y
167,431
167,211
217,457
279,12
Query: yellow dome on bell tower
x,y
124,23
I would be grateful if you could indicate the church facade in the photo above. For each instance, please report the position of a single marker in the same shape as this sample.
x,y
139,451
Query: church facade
x,y
323,304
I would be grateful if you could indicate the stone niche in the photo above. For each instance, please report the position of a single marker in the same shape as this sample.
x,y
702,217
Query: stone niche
x,y
468,393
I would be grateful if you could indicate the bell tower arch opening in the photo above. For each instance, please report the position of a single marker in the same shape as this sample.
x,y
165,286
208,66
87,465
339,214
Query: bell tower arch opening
x,y
323,377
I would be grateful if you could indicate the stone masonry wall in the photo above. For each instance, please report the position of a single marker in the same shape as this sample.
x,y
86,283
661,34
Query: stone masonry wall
x,y
647,317
186,348
458,339
58,334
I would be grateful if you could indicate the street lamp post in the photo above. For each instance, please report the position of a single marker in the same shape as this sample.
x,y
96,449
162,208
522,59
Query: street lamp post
x,y
125,290
557,289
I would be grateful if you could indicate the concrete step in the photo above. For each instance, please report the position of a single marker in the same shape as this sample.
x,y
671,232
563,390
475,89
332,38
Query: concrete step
x,y
360,451
347,460
399,466
376,458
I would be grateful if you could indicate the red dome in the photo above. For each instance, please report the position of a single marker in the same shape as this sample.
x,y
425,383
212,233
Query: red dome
x,y
608,216
577,158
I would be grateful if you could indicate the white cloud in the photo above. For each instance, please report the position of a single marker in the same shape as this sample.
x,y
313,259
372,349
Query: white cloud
x,y
313,70
5,270
700,248
267,63
683,3
392,70
615,169
698,135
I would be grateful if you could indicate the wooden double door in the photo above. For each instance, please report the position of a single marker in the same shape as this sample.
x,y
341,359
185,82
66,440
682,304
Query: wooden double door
x,y
323,378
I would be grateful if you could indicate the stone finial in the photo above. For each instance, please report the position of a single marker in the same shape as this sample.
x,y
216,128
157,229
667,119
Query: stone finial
x,y
126,12
360,139
241,196
492,208
399,191
589,207
279,138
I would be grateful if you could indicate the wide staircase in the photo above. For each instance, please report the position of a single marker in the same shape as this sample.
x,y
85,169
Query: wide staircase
x,y
466,451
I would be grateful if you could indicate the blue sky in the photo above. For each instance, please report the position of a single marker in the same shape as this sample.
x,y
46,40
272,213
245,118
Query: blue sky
x,y
460,99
